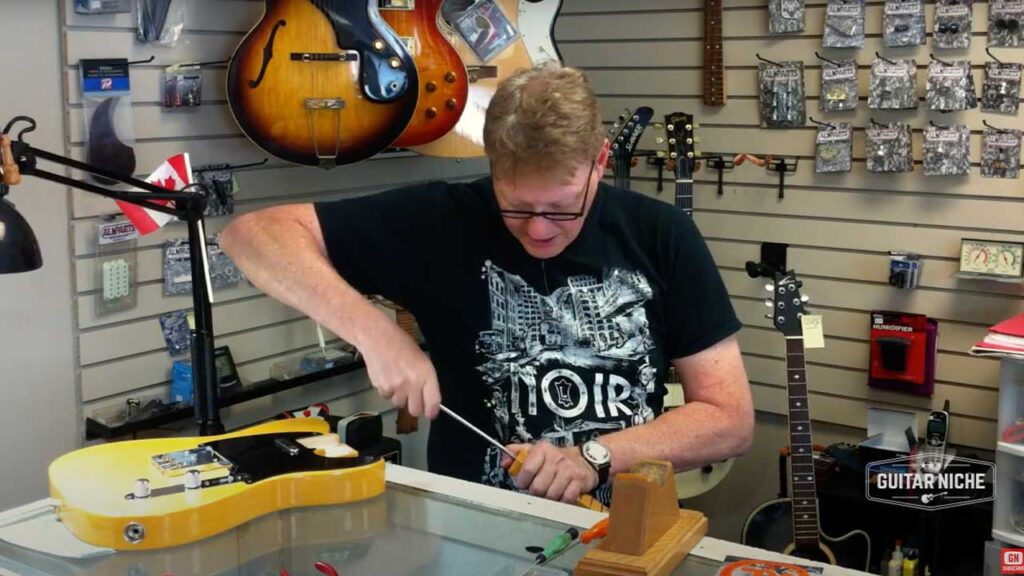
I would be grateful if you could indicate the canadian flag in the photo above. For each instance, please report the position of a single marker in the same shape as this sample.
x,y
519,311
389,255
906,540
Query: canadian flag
x,y
174,174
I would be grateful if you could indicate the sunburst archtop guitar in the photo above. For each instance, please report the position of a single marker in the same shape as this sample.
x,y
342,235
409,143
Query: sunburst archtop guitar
x,y
322,82
443,82
150,494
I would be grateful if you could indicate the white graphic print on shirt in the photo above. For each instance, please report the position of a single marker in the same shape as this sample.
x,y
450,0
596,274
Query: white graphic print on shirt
x,y
565,367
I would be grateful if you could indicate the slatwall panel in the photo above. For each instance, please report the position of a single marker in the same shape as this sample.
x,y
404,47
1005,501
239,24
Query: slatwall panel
x,y
123,354
839,227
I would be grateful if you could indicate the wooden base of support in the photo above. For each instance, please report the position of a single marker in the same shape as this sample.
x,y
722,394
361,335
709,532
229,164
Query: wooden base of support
x,y
662,557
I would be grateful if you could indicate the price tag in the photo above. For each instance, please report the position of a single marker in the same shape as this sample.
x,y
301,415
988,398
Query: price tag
x,y
814,331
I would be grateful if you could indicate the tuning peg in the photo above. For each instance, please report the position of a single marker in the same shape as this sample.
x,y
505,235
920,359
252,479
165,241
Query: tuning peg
x,y
697,140
695,126
660,140
768,303
659,126
699,153
660,154
769,287
670,127
805,298
672,155
769,316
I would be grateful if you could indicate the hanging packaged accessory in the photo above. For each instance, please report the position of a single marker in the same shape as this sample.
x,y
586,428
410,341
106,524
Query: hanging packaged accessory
x,y
1000,92
952,25
786,16
833,147
893,84
486,29
1004,23
160,21
904,23
838,84
102,6
178,267
107,102
183,86
902,352
1000,152
950,86
782,95
904,270
889,147
116,263
220,180
177,332
947,150
844,24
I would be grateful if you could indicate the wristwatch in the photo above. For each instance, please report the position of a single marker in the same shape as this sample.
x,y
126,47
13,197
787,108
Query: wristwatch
x,y
599,458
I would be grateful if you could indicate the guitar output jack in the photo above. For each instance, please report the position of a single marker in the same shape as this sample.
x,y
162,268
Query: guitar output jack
x,y
134,533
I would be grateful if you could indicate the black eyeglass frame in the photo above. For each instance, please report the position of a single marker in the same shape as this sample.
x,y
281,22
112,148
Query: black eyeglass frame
x,y
555,216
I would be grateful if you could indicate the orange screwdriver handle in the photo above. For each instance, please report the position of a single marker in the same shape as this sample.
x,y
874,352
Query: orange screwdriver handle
x,y
599,530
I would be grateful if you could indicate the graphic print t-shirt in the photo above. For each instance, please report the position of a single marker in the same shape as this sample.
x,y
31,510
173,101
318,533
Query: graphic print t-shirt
x,y
563,349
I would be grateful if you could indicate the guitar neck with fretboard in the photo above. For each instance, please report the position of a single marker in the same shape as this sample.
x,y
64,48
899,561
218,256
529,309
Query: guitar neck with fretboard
x,y
788,309
679,127
714,71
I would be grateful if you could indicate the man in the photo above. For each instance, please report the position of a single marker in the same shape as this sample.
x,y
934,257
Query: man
x,y
552,304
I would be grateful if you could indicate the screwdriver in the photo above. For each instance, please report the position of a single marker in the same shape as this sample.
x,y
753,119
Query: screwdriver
x,y
567,540
585,500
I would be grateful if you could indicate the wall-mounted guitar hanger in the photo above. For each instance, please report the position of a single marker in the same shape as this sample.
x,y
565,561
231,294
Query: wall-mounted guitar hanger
x,y
779,164
720,163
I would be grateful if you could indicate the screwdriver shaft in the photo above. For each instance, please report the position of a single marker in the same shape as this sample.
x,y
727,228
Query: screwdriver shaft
x,y
479,432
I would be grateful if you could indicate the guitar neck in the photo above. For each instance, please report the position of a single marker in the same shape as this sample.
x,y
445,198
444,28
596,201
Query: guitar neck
x,y
621,169
805,495
714,75
684,193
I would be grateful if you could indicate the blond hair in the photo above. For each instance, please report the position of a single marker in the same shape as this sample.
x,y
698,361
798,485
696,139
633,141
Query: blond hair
x,y
544,119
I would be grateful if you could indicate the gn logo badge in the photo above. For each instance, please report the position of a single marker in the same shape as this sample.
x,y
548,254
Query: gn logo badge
x,y
1013,561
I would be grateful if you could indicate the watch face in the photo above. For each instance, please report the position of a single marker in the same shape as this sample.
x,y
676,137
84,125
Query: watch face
x,y
596,453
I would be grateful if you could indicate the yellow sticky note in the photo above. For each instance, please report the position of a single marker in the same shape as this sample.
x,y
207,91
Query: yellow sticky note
x,y
191,317
814,331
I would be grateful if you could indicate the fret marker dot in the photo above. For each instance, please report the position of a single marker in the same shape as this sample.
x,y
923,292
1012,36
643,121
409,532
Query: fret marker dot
x,y
808,478
805,516
797,403
804,502
799,427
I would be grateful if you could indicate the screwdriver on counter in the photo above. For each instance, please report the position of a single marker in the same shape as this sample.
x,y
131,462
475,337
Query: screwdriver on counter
x,y
585,500
566,541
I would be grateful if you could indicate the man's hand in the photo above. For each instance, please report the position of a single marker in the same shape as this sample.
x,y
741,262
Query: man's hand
x,y
401,371
553,473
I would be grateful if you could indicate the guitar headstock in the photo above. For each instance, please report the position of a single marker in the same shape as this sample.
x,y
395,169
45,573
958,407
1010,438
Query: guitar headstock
x,y
787,303
680,129
625,132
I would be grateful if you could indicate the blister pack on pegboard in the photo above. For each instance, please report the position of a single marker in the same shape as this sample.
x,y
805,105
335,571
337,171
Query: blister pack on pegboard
x,y
952,28
838,86
834,148
220,180
1006,23
183,86
947,150
116,265
782,94
893,84
889,147
903,23
1000,153
951,86
178,267
844,24
174,326
786,16
1000,92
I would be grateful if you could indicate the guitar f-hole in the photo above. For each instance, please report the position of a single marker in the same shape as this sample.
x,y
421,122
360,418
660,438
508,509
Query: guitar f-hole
x,y
268,54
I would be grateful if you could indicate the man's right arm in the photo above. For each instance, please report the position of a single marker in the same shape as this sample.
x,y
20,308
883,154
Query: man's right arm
x,y
281,250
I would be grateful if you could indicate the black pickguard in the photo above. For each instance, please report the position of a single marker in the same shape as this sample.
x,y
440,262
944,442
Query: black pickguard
x,y
357,25
264,456
771,528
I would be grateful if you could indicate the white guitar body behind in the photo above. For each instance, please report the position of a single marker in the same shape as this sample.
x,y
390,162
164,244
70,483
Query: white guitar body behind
x,y
536,27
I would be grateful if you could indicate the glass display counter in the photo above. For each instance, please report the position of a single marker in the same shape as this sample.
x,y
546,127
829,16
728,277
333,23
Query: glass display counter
x,y
423,525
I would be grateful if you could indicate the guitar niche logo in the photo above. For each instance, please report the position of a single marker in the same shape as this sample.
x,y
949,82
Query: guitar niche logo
x,y
930,482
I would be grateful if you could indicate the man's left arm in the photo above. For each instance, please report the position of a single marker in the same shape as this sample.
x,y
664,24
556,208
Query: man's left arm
x,y
715,423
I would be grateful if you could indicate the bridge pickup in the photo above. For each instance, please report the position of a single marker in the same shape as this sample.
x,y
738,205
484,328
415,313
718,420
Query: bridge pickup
x,y
325,104
347,56
481,72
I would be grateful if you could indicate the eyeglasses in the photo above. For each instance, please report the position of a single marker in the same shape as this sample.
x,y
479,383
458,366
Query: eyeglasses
x,y
556,216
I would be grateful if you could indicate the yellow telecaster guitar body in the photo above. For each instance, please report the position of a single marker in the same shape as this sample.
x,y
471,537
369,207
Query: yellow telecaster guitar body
x,y
149,494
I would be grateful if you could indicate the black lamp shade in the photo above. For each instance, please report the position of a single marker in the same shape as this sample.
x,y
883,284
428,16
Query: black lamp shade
x,y
19,250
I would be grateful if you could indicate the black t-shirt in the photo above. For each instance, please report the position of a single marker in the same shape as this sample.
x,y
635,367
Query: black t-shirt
x,y
563,349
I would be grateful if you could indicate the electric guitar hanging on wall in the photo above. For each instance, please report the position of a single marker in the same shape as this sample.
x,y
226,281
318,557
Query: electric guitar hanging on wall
x,y
149,494
790,525
680,128
322,83
466,139
624,136
537,28
443,81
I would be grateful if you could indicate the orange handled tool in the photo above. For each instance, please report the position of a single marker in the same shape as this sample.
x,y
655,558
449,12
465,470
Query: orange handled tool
x,y
586,500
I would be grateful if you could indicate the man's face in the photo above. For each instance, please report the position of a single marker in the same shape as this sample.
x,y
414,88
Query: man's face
x,y
546,237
